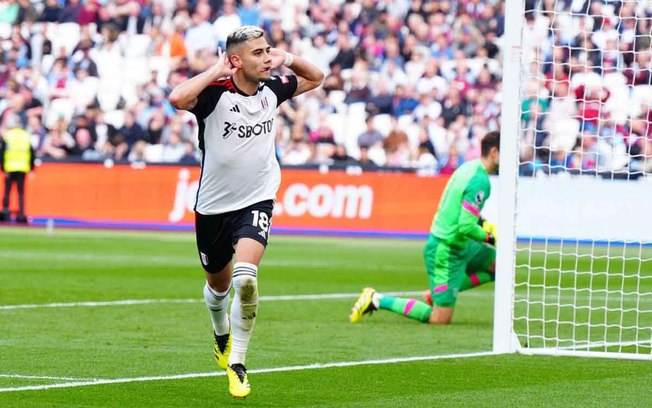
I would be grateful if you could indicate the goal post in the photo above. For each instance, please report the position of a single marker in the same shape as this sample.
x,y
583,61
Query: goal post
x,y
503,340
574,257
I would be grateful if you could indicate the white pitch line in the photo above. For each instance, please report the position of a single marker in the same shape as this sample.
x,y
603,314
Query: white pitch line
x,y
315,366
45,377
644,298
129,302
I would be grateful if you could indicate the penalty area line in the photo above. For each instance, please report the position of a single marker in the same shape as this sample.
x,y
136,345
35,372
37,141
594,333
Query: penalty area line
x,y
315,366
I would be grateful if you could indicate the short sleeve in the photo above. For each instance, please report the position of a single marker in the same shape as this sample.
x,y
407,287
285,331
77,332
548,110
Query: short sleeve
x,y
283,86
207,100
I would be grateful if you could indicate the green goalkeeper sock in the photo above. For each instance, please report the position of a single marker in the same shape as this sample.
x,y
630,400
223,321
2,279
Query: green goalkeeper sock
x,y
476,279
411,308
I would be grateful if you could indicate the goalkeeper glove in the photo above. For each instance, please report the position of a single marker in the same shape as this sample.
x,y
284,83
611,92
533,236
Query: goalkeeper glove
x,y
491,230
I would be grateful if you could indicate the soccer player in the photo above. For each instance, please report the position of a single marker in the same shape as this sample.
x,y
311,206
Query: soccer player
x,y
460,253
235,103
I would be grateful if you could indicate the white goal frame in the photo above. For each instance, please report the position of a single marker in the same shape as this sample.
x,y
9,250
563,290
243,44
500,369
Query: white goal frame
x,y
505,339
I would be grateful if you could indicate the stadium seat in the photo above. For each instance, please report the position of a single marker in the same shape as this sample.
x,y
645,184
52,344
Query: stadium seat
x,y
619,104
404,121
383,123
136,70
358,109
115,118
154,153
60,108
5,30
642,94
336,99
137,45
337,123
162,66
563,134
64,35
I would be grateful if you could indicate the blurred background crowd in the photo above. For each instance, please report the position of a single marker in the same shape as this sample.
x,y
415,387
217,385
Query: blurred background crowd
x,y
409,84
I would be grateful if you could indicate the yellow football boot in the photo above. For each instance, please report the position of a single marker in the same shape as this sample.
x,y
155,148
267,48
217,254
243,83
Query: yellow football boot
x,y
222,349
363,305
238,381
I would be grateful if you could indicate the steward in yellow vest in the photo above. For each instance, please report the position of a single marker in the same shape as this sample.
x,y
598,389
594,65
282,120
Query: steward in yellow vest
x,y
17,159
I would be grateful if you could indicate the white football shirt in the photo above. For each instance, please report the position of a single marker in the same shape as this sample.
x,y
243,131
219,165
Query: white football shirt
x,y
236,138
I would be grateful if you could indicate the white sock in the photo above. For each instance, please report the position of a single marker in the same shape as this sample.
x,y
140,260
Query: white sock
x,y
243,309
217,304
375,299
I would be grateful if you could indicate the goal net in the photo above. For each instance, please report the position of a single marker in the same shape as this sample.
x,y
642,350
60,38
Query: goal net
x,y
581,260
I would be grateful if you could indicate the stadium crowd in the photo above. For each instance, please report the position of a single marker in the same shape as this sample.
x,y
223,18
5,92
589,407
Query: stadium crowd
x,y
409,84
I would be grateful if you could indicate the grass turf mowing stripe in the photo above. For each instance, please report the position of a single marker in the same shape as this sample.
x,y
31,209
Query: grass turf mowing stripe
x,y
314,366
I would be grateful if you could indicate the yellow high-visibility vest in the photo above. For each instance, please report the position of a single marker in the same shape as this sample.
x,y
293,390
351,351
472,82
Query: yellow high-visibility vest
x,y
17,151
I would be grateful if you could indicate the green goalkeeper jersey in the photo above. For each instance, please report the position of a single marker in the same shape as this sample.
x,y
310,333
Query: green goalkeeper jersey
x,y
456,220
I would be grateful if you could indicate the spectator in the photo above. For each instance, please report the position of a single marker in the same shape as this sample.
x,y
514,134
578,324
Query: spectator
x,y
404,101
128,135
124,15
169,43
89,13
70,12
397,149
370,136
321,54
36,130
334,80
227,22
365,161
380,102
200,34
340,156
51,11
173,149
297,151
345,57
27,12
451,161
9,10
57,144
84,148
155,127
82,58
189,154
249,13
359,91
82,89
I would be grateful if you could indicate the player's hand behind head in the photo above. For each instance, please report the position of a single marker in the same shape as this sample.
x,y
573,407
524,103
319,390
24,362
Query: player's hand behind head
x,y
278,57
224,68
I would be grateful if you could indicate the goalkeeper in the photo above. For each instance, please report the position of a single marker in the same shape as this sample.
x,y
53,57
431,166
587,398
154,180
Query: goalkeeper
x,y
460,253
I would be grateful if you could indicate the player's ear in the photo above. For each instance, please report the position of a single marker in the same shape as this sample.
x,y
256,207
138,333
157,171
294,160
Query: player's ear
x,y
235,61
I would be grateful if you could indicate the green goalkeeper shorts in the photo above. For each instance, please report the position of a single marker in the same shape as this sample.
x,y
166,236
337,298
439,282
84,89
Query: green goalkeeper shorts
x,y
447,267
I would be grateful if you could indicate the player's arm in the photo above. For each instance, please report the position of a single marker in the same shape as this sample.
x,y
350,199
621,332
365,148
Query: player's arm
x,y
472,204
308,75
184,95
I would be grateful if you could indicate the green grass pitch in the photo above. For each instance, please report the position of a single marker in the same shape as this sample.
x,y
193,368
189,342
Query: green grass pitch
x,y
124,309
